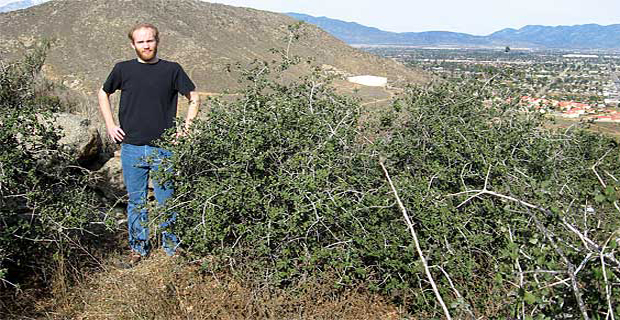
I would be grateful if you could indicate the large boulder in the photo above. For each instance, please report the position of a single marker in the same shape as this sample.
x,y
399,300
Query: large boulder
x,y
80,137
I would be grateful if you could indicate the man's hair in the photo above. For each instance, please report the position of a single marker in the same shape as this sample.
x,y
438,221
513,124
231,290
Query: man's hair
x,y
141,26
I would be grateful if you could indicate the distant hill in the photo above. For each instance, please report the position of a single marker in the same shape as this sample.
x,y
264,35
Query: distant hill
x,y
588,36
90,36
354,33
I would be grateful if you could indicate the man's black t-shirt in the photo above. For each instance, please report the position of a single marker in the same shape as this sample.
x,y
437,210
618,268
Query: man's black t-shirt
x,y
149,94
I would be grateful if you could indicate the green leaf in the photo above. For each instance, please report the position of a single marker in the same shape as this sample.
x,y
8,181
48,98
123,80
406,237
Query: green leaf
x,y
498,278
529,298
610,191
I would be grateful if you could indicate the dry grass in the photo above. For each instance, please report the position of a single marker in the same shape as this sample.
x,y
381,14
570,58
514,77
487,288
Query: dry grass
x,y
170,288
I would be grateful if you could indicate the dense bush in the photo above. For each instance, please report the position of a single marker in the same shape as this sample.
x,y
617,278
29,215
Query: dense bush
x,y
272,182
514,218
46,207
500,200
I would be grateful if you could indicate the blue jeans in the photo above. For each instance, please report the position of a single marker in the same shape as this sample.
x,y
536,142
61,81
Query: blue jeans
x,y
138,162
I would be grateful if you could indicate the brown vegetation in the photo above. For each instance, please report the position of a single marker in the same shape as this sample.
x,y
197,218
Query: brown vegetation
x,y
173,288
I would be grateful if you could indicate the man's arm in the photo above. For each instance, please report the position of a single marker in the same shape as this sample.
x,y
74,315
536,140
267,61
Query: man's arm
x,y
192,110
114,132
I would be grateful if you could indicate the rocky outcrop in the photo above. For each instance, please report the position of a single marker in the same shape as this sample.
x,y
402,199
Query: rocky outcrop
x,y
83,142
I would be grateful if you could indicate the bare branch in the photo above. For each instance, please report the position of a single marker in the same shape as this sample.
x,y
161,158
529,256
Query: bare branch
x,y
456,292
610,312
417,244
570,266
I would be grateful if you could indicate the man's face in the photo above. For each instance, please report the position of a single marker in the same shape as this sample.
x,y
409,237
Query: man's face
x,y
145,44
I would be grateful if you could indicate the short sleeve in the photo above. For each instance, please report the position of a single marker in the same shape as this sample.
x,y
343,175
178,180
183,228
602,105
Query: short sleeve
x,y
114,80
183,84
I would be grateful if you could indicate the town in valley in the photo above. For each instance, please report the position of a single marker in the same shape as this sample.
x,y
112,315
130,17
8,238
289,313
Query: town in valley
x,y
567,84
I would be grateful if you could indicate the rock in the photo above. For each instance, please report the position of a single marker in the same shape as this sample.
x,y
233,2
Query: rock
x,y
80,137
109,180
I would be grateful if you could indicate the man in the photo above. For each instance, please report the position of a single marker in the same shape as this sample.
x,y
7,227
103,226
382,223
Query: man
x,y
149,91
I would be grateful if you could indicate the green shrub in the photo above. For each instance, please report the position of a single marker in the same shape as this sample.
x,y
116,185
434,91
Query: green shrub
x,y
282,184
456,139
46,208
270,183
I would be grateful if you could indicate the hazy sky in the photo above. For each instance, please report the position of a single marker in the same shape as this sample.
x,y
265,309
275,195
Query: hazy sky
x,y
479,17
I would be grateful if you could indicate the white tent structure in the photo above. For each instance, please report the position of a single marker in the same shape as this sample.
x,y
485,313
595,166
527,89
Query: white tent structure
x,y
371,81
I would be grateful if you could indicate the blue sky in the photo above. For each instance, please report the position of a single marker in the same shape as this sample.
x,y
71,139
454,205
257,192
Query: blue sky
x,y
479,17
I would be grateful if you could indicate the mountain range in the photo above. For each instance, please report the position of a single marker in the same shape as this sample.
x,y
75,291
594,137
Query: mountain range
x,y
88,37
587,36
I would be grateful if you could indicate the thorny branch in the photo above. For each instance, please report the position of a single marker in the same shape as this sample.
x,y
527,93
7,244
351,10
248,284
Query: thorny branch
x,y
588,243
610,311
456,292
417,244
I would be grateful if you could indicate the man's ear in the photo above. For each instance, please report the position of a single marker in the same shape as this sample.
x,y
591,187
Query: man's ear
x,y
133,46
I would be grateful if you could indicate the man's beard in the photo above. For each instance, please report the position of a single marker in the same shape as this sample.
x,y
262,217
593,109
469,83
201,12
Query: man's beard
x,y
146,57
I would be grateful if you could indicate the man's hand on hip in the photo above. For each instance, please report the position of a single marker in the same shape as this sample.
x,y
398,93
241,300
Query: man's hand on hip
x,y
116,134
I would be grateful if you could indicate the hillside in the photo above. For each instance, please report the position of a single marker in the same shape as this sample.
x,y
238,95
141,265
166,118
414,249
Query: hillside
x,y
588,36
90,36
20,5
